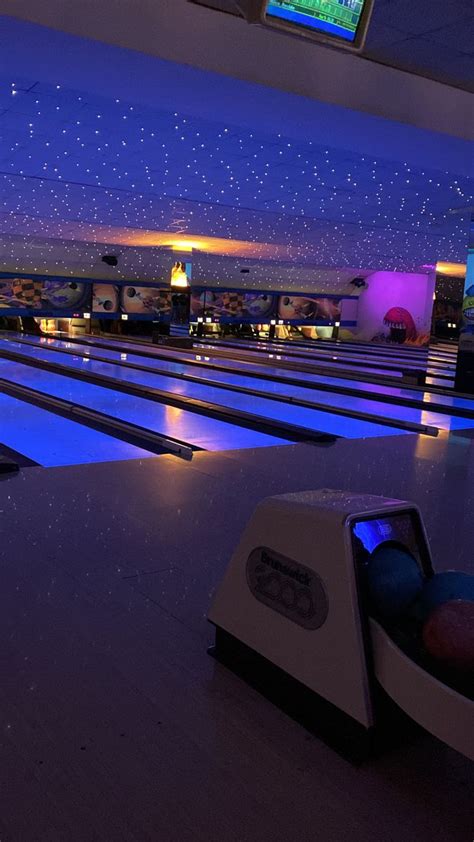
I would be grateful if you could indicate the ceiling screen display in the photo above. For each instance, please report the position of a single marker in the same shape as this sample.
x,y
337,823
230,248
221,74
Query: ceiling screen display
x,y
338,18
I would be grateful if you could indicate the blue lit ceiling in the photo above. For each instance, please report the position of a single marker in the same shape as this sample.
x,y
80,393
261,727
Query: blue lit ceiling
x,y
78,167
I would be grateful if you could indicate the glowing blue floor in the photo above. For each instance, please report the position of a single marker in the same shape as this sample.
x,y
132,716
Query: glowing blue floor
x,y
151,414
342,356
186,426
387,350
443,422
384,350
53,441
374,389
332,363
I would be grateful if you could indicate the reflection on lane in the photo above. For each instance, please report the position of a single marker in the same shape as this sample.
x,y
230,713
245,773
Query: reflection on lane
x,y
53,441
195,429
313,419
175,362
285,412
340,355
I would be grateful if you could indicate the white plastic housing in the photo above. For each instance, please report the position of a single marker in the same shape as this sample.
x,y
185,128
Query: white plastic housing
x,y
311,531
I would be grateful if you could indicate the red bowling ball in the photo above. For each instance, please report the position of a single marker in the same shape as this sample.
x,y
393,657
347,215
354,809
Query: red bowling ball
x,y
448,635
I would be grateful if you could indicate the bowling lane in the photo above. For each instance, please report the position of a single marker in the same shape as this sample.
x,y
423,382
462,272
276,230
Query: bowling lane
x,y
384,352
311,419
445,383
189,363
340,356
53,442
334,364
202,353
331,363
169,421
381,348
229,398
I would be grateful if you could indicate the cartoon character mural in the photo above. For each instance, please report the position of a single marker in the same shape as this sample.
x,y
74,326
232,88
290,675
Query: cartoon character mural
x,y
466,340
198,303
212,303
402,325
232,303
27,291
396,308
468,309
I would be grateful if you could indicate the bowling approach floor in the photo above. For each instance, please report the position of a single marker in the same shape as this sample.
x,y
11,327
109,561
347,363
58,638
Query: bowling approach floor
x,y
116,724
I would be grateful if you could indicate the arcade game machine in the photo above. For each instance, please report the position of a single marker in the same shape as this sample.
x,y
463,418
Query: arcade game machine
x,y
330,607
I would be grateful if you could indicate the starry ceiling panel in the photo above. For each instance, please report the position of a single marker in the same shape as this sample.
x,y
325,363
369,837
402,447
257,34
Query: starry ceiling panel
x,y
72,165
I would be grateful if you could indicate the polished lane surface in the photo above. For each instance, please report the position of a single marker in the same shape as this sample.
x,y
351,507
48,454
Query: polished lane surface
x,y
178,361
147,413
167,420
372,349
336,366
440,371
53,441
340,355
226,397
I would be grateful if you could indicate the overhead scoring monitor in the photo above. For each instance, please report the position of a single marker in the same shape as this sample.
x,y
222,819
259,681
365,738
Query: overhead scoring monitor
x,y
332,21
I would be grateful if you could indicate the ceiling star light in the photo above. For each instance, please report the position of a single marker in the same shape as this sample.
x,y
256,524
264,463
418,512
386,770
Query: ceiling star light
x,y
161,178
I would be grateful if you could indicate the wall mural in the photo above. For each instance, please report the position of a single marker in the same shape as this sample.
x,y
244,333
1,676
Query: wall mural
x,y
304,308
111,299
43,296
393,307
105,299
145,301
40,296
235,305
396,308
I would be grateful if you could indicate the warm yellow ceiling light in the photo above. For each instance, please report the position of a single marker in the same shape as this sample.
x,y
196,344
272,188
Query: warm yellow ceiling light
x,y
211,245
454,270
185,245
178,242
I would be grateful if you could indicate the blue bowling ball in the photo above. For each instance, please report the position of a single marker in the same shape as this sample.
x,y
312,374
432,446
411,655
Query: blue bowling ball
x,y
441,588
394,580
